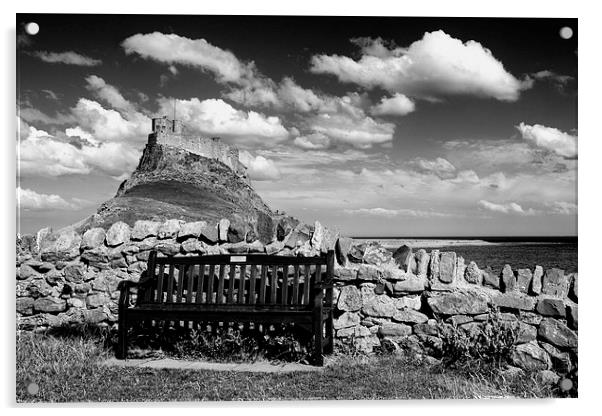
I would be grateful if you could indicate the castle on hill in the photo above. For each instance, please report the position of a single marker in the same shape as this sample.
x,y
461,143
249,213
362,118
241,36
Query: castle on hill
x,y
170,132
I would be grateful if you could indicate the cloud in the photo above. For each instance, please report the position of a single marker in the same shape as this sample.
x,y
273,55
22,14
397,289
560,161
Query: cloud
x,y
68,58
259,168
40,153
563,208
466,177
436,66
108,93
31,200
507,208
174,49
398,105
216,117
33,115
361,133
550,138
439,166
314,141
108,125
389,213
559,81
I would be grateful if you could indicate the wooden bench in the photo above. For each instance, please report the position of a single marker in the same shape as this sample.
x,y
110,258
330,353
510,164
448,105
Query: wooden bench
x,y
258,288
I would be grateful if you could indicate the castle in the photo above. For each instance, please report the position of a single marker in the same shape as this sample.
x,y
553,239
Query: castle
x,y
170,132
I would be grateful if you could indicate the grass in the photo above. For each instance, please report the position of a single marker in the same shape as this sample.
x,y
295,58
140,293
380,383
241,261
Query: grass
x,y
69,369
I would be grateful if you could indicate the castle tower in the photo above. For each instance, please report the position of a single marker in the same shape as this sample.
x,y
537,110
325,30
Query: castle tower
x,y
177,126
161,125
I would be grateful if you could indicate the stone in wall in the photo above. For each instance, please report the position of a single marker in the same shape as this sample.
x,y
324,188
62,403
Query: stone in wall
x,y
93,238
191,229
461,302
143,229
555,283
490,279
523,279
531,357
508,280
536,281
447,267
350,299
118,233
557,333
63,246
473,274
422,263
433,273
513,300
403,256
379,306
551,307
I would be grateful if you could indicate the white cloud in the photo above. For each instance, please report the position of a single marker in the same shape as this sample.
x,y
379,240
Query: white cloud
x,y
435,66
314,141
389,213
108,93
43,154
108,125
398,105
259,168
174,49
563,208
466,177
31,200
216,117
361,133
507,208
69,58
439,166
550,138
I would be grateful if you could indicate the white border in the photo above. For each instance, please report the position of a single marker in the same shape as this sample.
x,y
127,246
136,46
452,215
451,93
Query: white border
x,y
589,181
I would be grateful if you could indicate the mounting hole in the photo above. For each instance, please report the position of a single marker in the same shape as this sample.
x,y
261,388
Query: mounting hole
x,y
566,32
32,28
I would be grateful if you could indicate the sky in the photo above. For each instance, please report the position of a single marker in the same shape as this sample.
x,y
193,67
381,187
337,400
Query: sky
x,y
377,126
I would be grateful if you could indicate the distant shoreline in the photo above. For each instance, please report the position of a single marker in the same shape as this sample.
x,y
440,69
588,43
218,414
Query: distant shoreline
x,y
434,242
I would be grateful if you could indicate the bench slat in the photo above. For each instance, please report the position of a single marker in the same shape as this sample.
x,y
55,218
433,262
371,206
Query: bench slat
x,y
190,285
211,278
284,300
307,284
249,259
295,299
180,289
220,285
263,283
170,278
159,297
241,284
274,284
231,286
252,293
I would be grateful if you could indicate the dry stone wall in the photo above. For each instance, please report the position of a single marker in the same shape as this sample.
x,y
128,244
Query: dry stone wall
x,y
406,301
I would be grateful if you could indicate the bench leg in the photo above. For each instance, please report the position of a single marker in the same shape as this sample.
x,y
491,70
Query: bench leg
x,y
122,341
318,336
329,334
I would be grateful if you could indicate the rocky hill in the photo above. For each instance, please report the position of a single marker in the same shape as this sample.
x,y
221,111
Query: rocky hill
x,y
171,182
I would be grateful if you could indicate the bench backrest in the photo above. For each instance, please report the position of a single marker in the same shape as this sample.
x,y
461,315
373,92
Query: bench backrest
x,y
251,279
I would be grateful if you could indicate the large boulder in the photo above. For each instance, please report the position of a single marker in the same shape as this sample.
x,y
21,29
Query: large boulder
x,y
536,280
210,234
350,299
490,278
394,330
410,316
447,267
508,280
434,266
513,300
555,283
473,274
379,306
523,279
422,262
342,247
551,307
376,254
50,304
557,333
62,246
118,233
169,229
285,226
237,230
144,228
402,256
461,302
574,290
346,320
413,284
191,229
530,357
264,228
92,238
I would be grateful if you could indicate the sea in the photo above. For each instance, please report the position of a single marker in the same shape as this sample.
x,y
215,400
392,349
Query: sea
x,y
495,252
